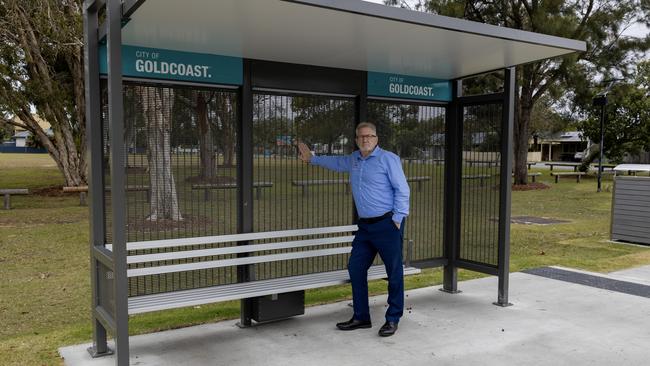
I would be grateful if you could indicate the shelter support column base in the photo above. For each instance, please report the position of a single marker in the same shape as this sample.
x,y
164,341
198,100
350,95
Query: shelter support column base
x,y
94,353
502,304
456,291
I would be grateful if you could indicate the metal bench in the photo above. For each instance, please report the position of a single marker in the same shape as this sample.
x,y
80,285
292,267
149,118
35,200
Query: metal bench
x,y
575,166
7,192
557,175
83,191
178,250
206,187
316,182
481,178
533,176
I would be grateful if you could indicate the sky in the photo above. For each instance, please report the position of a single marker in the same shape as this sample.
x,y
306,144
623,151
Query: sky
x,y
636,30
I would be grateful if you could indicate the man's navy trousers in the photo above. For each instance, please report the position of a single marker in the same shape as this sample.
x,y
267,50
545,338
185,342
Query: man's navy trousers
x,y
385,238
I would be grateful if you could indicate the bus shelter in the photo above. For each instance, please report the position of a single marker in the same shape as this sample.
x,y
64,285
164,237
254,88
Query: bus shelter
x,y
194,109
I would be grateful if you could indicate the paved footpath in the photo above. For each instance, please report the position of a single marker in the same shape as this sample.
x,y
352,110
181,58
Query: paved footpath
x,y
552,322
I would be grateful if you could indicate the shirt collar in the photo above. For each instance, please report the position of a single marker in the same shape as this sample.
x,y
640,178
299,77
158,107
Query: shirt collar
x,y
374,152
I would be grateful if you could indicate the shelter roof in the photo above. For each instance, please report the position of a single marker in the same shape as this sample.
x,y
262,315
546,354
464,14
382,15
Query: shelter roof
x,y
349,34
633,167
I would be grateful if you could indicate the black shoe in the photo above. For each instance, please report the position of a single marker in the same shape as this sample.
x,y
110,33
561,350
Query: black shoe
x,y
353,324
388,329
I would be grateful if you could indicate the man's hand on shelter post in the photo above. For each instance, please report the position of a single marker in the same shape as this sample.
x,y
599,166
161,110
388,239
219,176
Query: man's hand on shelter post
x,y
305,153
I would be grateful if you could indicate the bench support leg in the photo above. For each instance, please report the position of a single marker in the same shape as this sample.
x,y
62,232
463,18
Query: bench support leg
x,y
82,198
557,178
578,178
7,201
99,347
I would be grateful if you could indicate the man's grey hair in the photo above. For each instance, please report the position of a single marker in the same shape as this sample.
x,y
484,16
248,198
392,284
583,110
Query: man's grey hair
x,y
366,124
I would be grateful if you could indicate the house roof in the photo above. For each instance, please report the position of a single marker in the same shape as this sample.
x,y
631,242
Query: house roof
x,y
567,136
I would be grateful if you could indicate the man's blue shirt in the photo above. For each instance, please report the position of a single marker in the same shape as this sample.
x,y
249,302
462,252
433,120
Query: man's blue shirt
x,y
378,182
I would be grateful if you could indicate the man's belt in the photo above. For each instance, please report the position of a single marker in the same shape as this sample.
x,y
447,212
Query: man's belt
x,y
372,220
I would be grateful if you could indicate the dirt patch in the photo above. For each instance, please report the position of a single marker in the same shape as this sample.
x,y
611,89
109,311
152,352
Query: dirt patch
x,y
51,191
529,186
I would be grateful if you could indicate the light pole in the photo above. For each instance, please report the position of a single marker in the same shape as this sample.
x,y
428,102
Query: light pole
x,y
601,100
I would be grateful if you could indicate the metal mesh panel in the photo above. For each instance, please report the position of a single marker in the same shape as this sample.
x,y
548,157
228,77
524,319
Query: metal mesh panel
x,y
296,195
481,143
181,175
417,134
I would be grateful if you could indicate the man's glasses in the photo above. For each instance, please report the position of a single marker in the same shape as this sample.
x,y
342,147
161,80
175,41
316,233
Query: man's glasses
x,y
366,137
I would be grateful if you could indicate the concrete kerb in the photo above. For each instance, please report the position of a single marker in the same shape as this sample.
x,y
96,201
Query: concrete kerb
x,y
551,322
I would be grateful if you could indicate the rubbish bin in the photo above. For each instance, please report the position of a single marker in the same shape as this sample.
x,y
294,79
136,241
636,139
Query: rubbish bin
x,y
631,205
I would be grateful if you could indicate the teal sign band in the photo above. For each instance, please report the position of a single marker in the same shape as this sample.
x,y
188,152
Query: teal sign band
x,y
153,63
408,87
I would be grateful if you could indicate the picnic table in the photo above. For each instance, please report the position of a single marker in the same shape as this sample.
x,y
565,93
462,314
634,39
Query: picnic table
x,y
574,165
489,163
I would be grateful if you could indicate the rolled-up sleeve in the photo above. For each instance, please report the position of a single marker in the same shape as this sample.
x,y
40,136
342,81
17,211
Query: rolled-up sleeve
x,y
336,163
401,191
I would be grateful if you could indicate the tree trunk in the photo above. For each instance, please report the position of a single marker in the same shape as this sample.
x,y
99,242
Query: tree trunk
x,y
157,106
228,129
208,168
524,109
66,145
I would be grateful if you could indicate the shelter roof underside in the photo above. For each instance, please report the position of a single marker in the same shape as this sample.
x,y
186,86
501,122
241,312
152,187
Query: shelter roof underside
x,y
341,34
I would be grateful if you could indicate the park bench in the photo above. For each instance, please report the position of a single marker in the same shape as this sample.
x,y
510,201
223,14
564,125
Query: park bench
x,y
489,163
532,175
575,166
83,191
7,192
481,178
557,175
305,184
206,187
169,255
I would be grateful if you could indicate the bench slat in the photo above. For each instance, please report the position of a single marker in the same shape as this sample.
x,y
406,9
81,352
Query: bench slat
x,y
206,295
236,249
135,272
168,243
14,191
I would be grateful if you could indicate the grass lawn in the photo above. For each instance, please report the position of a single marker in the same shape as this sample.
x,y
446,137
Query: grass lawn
x,y
44,291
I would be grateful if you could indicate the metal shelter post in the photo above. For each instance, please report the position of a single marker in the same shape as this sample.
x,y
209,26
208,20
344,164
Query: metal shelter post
x,y
118,178
102,320
245,182
453,160
505,185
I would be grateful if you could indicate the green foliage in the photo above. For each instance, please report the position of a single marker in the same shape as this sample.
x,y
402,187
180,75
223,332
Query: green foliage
x,y
568,79
324,121
627,121
41,70
6,131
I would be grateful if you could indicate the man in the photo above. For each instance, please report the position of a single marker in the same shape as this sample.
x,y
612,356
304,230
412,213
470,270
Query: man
x,y
381,196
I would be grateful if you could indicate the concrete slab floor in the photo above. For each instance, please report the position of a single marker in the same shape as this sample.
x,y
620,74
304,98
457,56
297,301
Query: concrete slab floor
x,y
551,323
